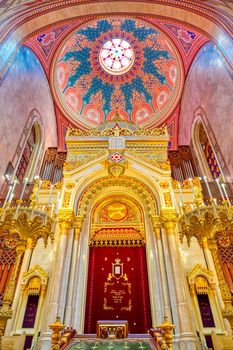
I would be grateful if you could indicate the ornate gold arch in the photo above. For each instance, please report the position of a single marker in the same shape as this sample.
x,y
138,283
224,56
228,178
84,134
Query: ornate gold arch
x,y
35,279
200,280
117,219
138,187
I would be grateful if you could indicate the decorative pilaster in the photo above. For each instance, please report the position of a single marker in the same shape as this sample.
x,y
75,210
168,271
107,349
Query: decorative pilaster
x,y
168,221
157,230
66,220
77,230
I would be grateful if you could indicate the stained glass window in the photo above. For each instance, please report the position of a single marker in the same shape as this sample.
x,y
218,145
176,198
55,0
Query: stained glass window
x,y
116,56
209,153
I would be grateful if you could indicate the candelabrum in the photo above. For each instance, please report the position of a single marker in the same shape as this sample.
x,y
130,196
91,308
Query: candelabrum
x,y
56,328
205,222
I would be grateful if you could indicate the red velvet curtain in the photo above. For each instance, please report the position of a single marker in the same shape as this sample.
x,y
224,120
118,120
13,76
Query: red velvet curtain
x,y
118,289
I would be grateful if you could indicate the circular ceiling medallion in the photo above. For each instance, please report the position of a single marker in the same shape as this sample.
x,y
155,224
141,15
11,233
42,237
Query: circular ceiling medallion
x,y
116,56
117,211
124,64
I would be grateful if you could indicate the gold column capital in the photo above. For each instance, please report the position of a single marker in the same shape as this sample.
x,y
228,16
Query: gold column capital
x,y
204,243
78,226
155,219
66,220
168,218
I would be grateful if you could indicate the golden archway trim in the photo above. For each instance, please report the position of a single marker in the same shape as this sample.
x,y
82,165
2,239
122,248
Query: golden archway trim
x,y
123,181
35,279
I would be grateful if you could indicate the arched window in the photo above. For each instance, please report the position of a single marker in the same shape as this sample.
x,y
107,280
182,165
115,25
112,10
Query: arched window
x,y
26,156
209,153
207,161
30,154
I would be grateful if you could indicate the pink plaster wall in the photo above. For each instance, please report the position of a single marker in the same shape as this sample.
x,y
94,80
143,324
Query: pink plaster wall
x,y
209,86
24,88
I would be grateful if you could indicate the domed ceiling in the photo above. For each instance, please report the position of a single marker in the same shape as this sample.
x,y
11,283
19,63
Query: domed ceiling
x,y
117,64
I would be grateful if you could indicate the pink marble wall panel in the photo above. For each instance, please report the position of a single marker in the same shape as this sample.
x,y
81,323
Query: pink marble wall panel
x,y
24,88
209,86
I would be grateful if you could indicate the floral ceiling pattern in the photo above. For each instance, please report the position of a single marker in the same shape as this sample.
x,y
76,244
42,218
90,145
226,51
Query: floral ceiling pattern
x,y
117,64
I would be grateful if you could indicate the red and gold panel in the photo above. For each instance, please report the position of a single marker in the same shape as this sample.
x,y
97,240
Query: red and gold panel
x,y
118,288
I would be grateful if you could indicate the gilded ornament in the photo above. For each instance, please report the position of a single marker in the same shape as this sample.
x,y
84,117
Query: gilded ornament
x,y
168,329
200,271
140,131
149,159
38,273
46,184
116,170
56,328
123,181
164,184
78,225
66,219
168,219
66,199
69,166
58,185
156,226
167,199
70,185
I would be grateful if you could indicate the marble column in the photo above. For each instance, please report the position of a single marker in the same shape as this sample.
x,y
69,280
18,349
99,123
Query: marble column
x,y
24,267
157,231
188,340
66,220
211,267
71,291
227,312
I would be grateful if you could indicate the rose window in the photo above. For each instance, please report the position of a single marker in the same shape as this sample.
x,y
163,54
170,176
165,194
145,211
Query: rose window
x,y
116,56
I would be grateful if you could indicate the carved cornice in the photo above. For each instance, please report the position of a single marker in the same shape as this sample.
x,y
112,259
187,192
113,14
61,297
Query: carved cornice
x,y
141,131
